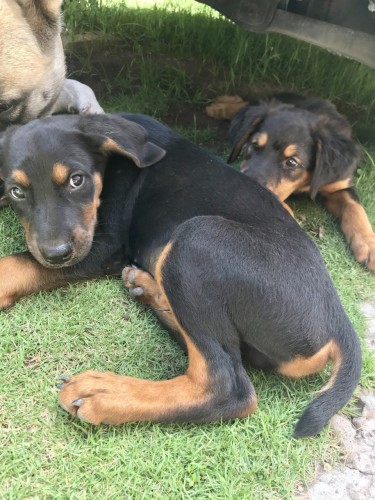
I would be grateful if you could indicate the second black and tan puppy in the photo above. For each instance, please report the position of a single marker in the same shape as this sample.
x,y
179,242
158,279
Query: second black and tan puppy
x,y
215,254
305,146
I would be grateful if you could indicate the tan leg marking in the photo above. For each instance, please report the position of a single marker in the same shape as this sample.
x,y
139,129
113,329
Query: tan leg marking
x,y
335,186
355,225
115,399
21,276
197,364
226,106
152,295
302,367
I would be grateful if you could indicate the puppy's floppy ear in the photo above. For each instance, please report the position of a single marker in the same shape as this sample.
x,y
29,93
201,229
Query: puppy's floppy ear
x,y
243,126
337,156
111,133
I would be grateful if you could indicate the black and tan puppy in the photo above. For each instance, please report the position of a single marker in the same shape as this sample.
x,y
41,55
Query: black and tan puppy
x,y
305,147
215,255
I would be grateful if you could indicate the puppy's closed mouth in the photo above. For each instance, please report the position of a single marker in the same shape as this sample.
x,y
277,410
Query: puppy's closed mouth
x,y
63,254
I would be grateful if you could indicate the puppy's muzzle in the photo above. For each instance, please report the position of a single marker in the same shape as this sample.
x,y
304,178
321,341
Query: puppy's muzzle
x,y
57,254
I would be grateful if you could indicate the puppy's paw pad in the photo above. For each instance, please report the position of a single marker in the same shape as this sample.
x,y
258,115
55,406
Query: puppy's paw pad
x,y
128,276
136,291
77,402
134,278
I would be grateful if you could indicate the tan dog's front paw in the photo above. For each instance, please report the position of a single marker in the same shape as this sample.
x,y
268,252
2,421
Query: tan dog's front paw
x,y
226,106
363,248
76,97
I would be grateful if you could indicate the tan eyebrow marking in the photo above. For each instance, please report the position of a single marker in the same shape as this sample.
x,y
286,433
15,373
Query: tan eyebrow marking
x,y
262,139
290,150
60,173
21,178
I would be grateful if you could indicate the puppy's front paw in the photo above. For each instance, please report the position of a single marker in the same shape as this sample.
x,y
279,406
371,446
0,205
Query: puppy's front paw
x,y
93,396
8,282
141,285
225,106
85,101
363,248
76,97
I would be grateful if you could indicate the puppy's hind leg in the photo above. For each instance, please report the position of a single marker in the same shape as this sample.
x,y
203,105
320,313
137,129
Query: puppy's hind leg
x,y
143,288
215,385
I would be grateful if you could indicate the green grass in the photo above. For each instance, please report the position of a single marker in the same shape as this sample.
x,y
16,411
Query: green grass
x,y
46,454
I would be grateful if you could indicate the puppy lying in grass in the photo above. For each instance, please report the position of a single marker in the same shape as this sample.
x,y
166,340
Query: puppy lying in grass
x,y
302,145
224,266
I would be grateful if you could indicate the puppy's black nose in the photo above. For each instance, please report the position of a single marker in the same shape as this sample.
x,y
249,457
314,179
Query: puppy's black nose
x,y
57,254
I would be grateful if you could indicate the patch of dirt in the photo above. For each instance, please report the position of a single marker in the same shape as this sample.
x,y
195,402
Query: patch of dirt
x,y
355,480
105,67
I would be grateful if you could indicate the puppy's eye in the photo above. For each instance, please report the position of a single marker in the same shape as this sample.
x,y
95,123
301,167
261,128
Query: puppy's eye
x,y
254,146
292,163
76,181
17,193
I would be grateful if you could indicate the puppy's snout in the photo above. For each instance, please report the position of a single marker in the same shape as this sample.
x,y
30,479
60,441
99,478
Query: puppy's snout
x,y
57,254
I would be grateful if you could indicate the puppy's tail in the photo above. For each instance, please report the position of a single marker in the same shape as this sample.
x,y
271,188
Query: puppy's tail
x,y
346,360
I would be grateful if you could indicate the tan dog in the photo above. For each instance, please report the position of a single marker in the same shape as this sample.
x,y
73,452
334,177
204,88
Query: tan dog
x,y
32,77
